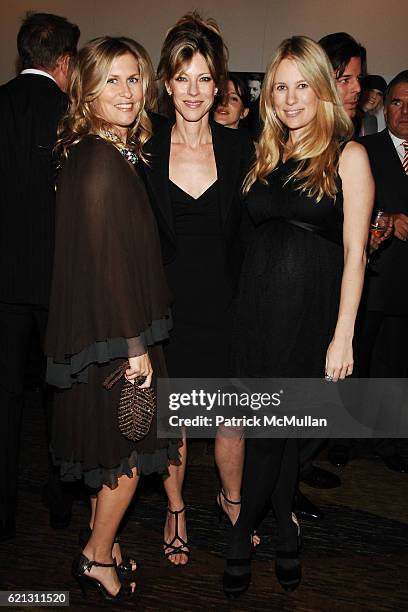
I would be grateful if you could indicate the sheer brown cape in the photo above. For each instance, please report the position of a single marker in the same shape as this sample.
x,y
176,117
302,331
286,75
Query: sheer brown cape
x,y
108,281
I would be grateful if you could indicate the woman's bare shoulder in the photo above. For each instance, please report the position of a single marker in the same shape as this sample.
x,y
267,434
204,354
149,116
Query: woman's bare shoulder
x,y
353,159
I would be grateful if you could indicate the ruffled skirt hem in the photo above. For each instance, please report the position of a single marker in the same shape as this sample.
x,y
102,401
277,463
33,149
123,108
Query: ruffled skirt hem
x,y
146,463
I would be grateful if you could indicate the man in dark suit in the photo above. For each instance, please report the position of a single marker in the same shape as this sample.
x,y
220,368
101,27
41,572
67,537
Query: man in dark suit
x,y
384,309
30,107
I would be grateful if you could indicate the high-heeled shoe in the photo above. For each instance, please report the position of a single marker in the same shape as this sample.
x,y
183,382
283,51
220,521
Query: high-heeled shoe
x,y
127,566
222,513
82,564
177,546
289,574
299,532
236,578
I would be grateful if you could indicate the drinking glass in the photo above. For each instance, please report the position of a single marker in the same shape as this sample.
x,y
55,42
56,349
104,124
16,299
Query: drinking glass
x,y
378,224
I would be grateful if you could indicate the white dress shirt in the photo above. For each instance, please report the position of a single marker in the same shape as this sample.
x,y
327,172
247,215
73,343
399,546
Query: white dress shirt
x,y
380,119
398,144
40,72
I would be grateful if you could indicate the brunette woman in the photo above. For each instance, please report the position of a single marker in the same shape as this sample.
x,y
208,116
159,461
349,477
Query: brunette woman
x,y
195,171
233,106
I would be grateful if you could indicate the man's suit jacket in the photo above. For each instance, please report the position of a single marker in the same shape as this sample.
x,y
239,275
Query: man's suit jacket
x,y
387,288
30,108
233,152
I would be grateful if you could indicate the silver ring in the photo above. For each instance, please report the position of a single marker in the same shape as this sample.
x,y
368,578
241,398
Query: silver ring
x,y
329,377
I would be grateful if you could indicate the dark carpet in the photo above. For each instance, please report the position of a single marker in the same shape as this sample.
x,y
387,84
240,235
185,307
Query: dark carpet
x,y
355,559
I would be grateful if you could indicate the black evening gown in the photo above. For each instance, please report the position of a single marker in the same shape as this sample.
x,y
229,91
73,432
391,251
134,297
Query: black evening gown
x,y
290,284
202,291
286,314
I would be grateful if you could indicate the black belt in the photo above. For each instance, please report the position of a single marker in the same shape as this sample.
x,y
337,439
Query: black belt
x,y
316,229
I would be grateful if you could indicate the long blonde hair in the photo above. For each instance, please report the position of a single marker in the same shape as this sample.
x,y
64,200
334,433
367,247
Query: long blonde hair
x,y
88,79
318,149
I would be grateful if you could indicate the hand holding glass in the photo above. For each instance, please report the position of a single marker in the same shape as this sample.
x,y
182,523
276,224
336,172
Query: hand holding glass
x,y
379,224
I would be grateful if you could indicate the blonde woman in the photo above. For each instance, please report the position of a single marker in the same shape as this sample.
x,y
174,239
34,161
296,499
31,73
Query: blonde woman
x,y
109,298
311,192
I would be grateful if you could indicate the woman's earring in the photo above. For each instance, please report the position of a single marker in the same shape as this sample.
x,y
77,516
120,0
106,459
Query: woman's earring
x,y
274,113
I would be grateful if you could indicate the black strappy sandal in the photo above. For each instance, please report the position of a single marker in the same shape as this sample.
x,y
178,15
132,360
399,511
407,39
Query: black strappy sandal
x,y
224,514
128,563
221,512
82,564
172,548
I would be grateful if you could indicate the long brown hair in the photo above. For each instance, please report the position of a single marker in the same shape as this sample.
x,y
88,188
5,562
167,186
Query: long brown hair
x,y
318,149
88,80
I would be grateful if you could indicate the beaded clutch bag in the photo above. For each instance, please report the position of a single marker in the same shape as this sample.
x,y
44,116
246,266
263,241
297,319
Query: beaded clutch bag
x,y
136,406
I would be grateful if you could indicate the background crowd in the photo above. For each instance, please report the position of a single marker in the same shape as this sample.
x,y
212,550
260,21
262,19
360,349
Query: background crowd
x,y
148,201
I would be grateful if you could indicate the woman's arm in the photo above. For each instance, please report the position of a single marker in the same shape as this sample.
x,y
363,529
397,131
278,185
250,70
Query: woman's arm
x,y
115,256
358,193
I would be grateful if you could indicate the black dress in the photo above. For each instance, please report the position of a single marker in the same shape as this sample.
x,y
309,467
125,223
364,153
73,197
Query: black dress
x,y
109,301
290,285
200,284
202,247
286,313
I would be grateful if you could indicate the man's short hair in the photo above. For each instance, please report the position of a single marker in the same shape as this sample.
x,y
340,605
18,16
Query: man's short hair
x,y
254,76
43,38
341,47
402,77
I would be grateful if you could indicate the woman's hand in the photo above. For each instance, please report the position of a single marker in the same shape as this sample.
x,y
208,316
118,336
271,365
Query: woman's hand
x,y
339,359
140,366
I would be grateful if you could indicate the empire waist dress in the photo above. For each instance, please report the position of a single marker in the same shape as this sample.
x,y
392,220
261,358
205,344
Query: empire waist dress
x,y
290,284
285,319
201,288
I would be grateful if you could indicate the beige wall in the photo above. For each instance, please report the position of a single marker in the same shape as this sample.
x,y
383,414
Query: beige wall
x,y
252,28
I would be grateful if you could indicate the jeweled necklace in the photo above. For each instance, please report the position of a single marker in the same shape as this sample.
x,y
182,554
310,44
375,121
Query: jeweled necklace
x,y
128,154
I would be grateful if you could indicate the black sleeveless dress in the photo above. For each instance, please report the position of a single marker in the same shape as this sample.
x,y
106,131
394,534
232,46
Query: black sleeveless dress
x,y
289,295
201,288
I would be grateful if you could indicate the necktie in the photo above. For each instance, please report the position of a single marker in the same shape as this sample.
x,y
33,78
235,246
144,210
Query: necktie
x,y
405,160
